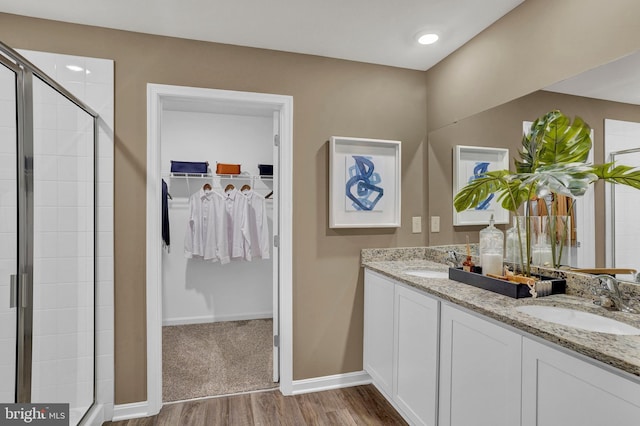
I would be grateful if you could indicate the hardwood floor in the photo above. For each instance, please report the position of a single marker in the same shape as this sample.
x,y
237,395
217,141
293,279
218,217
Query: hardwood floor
x,y
359,405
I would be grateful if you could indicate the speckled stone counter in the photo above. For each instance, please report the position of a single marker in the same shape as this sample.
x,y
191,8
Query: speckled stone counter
x,y
620,351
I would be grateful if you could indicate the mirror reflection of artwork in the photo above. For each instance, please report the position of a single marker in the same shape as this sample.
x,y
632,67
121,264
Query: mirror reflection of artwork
x,y
479,169
363,188
471,163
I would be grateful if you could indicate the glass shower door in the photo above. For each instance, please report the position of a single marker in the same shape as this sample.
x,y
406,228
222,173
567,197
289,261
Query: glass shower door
x,y
63,252
8,232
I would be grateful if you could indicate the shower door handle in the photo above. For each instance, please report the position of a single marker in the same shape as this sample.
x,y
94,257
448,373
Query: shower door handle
x,y
14,287
13,293
24,291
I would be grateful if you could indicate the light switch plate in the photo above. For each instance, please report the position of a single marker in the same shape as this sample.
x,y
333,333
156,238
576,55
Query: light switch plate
x,y
435,223
416,224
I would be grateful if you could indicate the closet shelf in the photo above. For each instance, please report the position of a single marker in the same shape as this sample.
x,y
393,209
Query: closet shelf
x,y
213,176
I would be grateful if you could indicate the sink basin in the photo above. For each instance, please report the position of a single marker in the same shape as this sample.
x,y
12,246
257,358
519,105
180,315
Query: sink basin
x,y
579,319
426,273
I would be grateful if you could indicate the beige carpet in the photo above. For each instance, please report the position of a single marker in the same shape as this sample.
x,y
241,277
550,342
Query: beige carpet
x,y
216,358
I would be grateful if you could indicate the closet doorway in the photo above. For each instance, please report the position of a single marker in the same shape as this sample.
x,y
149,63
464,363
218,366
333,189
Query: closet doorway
x,y
238,312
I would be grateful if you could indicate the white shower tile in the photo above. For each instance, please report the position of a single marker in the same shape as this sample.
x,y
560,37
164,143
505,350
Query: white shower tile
x,y
104,194
105,146
47,295
9,139
70,69
7,84
68,118
45,116
73,143
70,220
104,170
45,168
104,216
7,113
104,343
45,321
46,245
100,70
45,142
45,193
104,297
104,268
7,332
45,219
8,218
46,270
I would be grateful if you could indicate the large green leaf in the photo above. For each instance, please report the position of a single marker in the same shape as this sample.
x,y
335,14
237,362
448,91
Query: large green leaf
x,y
479,189
554,139
570,179
621,174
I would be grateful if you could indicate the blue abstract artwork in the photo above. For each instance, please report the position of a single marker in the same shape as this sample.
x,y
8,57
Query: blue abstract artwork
x,y
362,187
479,169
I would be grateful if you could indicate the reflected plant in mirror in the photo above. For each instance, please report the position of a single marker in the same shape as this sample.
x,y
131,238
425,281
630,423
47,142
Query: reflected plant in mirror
x,y
552,167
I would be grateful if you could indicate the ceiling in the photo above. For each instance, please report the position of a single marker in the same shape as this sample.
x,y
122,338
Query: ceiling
x,y
373,31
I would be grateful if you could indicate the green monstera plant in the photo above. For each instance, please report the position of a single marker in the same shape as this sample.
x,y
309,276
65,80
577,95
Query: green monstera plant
x,y
553,160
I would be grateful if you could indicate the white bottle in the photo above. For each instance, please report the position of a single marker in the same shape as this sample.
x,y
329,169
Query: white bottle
x,y
491,249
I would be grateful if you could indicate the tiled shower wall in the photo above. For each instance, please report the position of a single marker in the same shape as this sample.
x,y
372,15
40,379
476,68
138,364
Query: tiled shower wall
x,y
63,249
620,136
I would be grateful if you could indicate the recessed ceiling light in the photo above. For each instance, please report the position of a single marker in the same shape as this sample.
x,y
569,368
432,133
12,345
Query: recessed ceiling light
x,y
428,38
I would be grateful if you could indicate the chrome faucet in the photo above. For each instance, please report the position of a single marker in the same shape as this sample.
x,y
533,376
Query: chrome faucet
x,y
609,289
452,259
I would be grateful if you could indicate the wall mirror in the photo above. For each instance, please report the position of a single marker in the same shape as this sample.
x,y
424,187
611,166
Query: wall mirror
x,y
606,97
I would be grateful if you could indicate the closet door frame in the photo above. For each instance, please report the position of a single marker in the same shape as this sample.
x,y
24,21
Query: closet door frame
x,y
283,105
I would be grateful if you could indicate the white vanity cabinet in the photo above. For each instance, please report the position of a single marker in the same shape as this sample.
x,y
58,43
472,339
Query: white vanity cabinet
x,y
401,346
560,389
379,330
480,367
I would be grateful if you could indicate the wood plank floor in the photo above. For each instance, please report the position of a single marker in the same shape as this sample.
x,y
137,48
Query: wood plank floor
x,y
359,405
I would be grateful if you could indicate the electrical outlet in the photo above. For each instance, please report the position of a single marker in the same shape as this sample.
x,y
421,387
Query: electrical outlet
x,y
435,223
416,224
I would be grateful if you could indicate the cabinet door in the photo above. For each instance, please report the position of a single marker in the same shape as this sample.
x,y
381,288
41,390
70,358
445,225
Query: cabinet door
x,y
416,342
480,367
561,389
378,330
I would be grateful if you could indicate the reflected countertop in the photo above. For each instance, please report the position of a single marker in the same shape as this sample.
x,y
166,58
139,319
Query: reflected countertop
x,y
619,351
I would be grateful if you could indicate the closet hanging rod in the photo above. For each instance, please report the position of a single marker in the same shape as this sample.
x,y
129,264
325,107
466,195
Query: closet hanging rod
x,y
213,176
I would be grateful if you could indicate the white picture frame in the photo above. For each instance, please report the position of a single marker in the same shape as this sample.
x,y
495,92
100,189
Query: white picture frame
x,y
364,183
470,161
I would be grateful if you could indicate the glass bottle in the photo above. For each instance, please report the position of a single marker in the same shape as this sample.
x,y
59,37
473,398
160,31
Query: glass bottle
x,y
491,249
514,241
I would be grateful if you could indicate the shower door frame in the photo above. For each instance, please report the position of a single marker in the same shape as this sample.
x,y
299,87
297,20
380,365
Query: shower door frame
x,y
22,284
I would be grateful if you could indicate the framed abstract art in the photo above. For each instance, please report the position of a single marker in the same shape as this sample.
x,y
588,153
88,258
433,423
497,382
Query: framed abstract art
x,y
470,162
364,183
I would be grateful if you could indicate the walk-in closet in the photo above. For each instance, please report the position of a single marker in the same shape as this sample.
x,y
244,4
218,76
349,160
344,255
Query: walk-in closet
x,y
218,276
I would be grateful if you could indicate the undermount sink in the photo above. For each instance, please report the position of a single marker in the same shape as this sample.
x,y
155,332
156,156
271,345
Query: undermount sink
x,y
579,319
426,273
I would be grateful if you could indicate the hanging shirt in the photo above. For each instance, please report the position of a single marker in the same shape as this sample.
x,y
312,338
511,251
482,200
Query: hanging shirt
x,y
259,242
237,225
206,235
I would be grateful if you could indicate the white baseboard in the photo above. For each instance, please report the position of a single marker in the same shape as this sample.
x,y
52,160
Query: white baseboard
x,y
217,318
336,381
131,411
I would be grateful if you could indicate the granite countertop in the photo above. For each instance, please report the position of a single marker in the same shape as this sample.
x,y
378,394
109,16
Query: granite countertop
x,y
620,351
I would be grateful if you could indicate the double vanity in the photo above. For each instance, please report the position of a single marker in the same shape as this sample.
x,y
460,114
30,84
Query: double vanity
x,y
447,353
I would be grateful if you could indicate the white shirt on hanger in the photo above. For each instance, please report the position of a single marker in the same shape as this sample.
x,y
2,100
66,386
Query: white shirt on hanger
x,y
206,235
237,229
259,242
